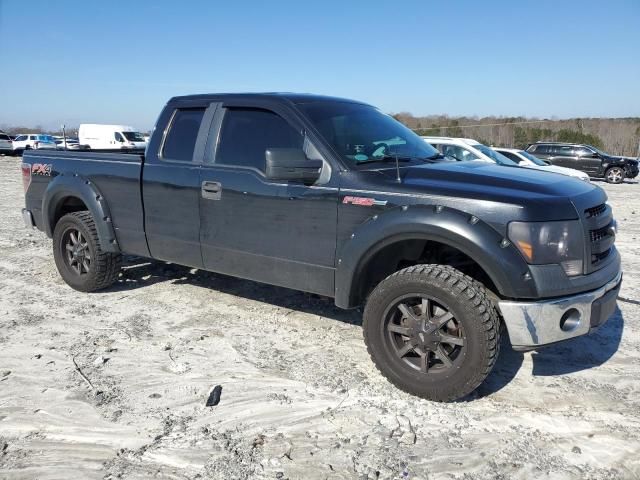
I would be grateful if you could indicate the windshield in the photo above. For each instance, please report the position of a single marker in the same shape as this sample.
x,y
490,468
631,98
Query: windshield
x,y
493,155
533,158
46,138
362,134
133,136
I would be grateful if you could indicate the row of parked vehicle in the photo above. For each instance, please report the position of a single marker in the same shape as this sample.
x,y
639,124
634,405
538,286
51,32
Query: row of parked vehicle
x,y
576,160
90,137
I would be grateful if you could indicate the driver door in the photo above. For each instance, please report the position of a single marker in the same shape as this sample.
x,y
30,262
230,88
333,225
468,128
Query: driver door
x,y
277,232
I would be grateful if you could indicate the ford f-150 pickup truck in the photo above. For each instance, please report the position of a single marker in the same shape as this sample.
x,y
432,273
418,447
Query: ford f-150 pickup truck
x,y
332,196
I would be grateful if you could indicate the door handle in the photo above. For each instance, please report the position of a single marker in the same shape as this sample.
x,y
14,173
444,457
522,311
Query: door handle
x,y
211,190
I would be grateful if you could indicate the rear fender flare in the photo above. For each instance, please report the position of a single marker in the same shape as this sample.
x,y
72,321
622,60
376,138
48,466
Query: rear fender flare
x,y
479,241
72,185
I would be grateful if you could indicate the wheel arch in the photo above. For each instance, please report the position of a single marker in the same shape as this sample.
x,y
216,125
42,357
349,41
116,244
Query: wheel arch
x,y
415,228
69,193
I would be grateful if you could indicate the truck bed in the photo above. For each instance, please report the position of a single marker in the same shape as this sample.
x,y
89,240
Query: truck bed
x,y
115,176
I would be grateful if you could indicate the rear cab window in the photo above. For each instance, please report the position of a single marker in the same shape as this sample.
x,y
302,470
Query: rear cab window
x,y
180,140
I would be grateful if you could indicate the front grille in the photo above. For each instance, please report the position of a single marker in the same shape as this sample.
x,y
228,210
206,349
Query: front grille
x,y
598,257
595,211
599,235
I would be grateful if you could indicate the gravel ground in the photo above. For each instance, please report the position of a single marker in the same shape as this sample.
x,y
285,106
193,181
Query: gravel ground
x,y
114,384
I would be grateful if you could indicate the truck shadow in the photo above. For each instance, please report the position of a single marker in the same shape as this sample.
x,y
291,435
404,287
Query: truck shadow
x,y
578,354
142,272
572,356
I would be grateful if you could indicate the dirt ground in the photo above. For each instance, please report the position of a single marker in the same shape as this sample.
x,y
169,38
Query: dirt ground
x,y
300,397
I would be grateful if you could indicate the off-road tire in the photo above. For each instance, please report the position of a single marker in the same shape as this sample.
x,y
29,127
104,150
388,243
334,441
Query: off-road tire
x,y
104,267
615,175
467,299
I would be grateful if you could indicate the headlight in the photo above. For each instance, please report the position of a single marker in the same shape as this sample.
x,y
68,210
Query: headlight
x,y
550,242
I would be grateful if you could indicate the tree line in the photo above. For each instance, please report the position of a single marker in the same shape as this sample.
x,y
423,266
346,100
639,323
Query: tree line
x,y
618,136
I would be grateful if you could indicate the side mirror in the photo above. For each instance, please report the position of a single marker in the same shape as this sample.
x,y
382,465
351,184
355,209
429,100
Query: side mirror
x,y
291,164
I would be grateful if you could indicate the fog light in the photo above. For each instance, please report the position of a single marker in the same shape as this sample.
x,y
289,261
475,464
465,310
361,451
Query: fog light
x,y
570,320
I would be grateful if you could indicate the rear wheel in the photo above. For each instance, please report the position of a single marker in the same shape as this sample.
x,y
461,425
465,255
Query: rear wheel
x,y
78,254
615,175
432,331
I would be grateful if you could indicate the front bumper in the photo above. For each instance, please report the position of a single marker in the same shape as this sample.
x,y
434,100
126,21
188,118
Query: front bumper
x,y
534,324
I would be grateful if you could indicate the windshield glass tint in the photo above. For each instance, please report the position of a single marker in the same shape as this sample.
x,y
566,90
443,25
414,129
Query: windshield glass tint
x,y
362,134
533,158
493,155
133,136
46,138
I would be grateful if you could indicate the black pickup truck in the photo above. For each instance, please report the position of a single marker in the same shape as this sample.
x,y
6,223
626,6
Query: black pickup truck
x,y
333,197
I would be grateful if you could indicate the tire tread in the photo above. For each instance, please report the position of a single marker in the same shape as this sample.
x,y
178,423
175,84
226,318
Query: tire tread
x,y
477,294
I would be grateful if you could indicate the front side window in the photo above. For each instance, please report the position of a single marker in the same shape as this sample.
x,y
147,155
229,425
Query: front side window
x,y
180,141
118,137
542,149
21,138
361,134
247,133
582,151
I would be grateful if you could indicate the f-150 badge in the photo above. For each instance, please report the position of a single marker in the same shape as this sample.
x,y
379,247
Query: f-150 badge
x,y
363,201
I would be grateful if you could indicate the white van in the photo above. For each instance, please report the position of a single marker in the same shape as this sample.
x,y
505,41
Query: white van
x,y
103,137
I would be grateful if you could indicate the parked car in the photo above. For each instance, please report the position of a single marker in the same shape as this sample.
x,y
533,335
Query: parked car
x,y
31,141
69,144
586,158
333,197
467,149
6,144
525,159
110,137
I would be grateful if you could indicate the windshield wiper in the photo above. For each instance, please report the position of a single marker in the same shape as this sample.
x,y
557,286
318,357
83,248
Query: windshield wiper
x,y
435,156
388,158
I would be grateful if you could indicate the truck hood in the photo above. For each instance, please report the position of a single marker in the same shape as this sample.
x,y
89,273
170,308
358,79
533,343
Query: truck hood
x,y
472,186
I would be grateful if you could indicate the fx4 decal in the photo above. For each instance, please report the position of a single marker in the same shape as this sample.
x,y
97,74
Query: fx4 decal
x,y
363,201
41,169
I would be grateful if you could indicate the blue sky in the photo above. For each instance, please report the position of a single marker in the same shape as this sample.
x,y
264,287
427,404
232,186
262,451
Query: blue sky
x,y
119,61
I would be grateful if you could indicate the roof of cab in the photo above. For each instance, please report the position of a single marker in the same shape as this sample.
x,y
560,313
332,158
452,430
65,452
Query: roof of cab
x,y
297,98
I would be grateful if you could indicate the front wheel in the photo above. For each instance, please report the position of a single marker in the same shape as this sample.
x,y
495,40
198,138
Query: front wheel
x,y
82,263
432,331
615,175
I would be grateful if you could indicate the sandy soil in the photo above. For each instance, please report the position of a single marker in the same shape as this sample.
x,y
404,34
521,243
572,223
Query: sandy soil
x,y
300,397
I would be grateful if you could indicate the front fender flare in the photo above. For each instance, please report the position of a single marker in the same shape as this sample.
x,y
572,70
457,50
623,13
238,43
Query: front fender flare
x,y
72,185
501,261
